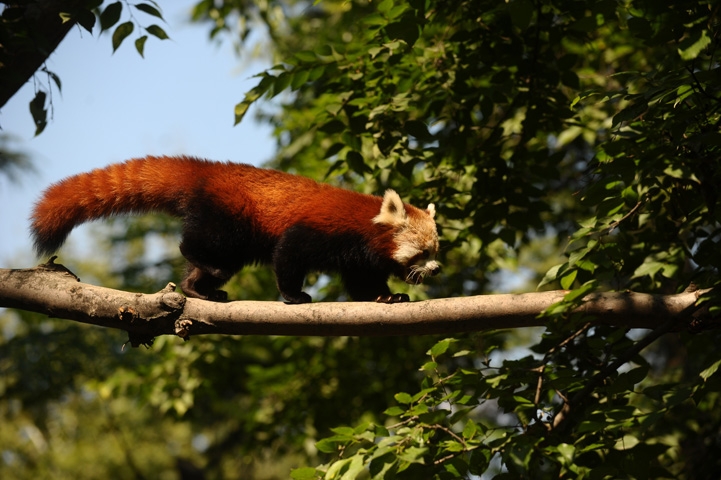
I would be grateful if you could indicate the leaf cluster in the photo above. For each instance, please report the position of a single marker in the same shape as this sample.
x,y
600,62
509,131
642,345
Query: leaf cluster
x,y
111,16
30,31
496,419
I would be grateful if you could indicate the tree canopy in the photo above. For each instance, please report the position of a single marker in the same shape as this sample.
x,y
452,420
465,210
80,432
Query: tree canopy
x,y
565,143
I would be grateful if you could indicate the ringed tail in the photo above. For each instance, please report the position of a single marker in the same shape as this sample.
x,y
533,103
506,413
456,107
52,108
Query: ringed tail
x,y
152,184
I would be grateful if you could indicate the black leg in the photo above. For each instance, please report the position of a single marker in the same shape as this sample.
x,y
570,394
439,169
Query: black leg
x,y
200,284
290,272
367,286
290,282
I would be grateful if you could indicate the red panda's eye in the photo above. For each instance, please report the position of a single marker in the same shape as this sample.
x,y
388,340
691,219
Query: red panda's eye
x,y
425,253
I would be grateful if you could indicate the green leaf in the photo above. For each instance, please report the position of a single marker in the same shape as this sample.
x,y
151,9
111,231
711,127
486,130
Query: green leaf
x,y
316,73
306,56
522,401
441,347
707,372
345,431
470,429
452,446
374,19
682,92
568,279
403,398
240,110
429,367
413,455
110,16
385,5
692,46
567,452
157,32
121,33
304,473
627,442
591,426
327,445
581,291
254,94
335,468
334,108
422,394
552,274
355,162
140,44
299,78
610,206
394,411
149,9
649,267
281,82
630,195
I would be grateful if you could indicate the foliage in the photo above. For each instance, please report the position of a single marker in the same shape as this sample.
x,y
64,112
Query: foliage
x,y
577,140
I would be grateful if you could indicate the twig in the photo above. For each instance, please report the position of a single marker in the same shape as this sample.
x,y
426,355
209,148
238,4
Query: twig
x,y
542,368
698,84
615,224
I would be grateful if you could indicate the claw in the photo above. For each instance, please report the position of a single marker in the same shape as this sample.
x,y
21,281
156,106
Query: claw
x,y
393,298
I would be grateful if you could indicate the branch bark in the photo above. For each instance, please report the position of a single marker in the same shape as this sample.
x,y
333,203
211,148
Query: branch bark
x,y
53,290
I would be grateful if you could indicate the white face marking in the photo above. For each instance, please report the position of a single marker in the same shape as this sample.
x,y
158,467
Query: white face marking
x,y
416,237
417,247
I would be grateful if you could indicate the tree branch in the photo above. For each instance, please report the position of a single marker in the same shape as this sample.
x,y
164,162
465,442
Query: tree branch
x,y
53,290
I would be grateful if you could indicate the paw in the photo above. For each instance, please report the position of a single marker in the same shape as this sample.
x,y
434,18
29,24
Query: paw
x,y
218,296
300,297
393,298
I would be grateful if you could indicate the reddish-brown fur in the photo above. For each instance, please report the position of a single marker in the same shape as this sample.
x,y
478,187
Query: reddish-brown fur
x,y
258,203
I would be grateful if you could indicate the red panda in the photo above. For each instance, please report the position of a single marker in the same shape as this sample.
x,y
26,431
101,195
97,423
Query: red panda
x,y
236,215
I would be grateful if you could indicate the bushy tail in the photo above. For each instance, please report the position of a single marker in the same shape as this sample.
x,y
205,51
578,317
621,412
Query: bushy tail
x,y
141,185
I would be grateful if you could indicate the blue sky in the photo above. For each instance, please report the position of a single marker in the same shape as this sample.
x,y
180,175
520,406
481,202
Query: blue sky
x,y
179,99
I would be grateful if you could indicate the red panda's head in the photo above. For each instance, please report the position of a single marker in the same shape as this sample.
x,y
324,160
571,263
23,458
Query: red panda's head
x,y
414,235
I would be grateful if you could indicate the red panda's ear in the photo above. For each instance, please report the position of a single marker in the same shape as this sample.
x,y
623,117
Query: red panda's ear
x,y
392,210
431,210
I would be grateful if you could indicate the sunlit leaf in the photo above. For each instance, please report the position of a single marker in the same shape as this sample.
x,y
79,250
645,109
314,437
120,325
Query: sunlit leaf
x,y
691,47
706,373
121,33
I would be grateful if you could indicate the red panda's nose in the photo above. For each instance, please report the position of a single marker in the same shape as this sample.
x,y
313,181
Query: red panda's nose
x,y
435,270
